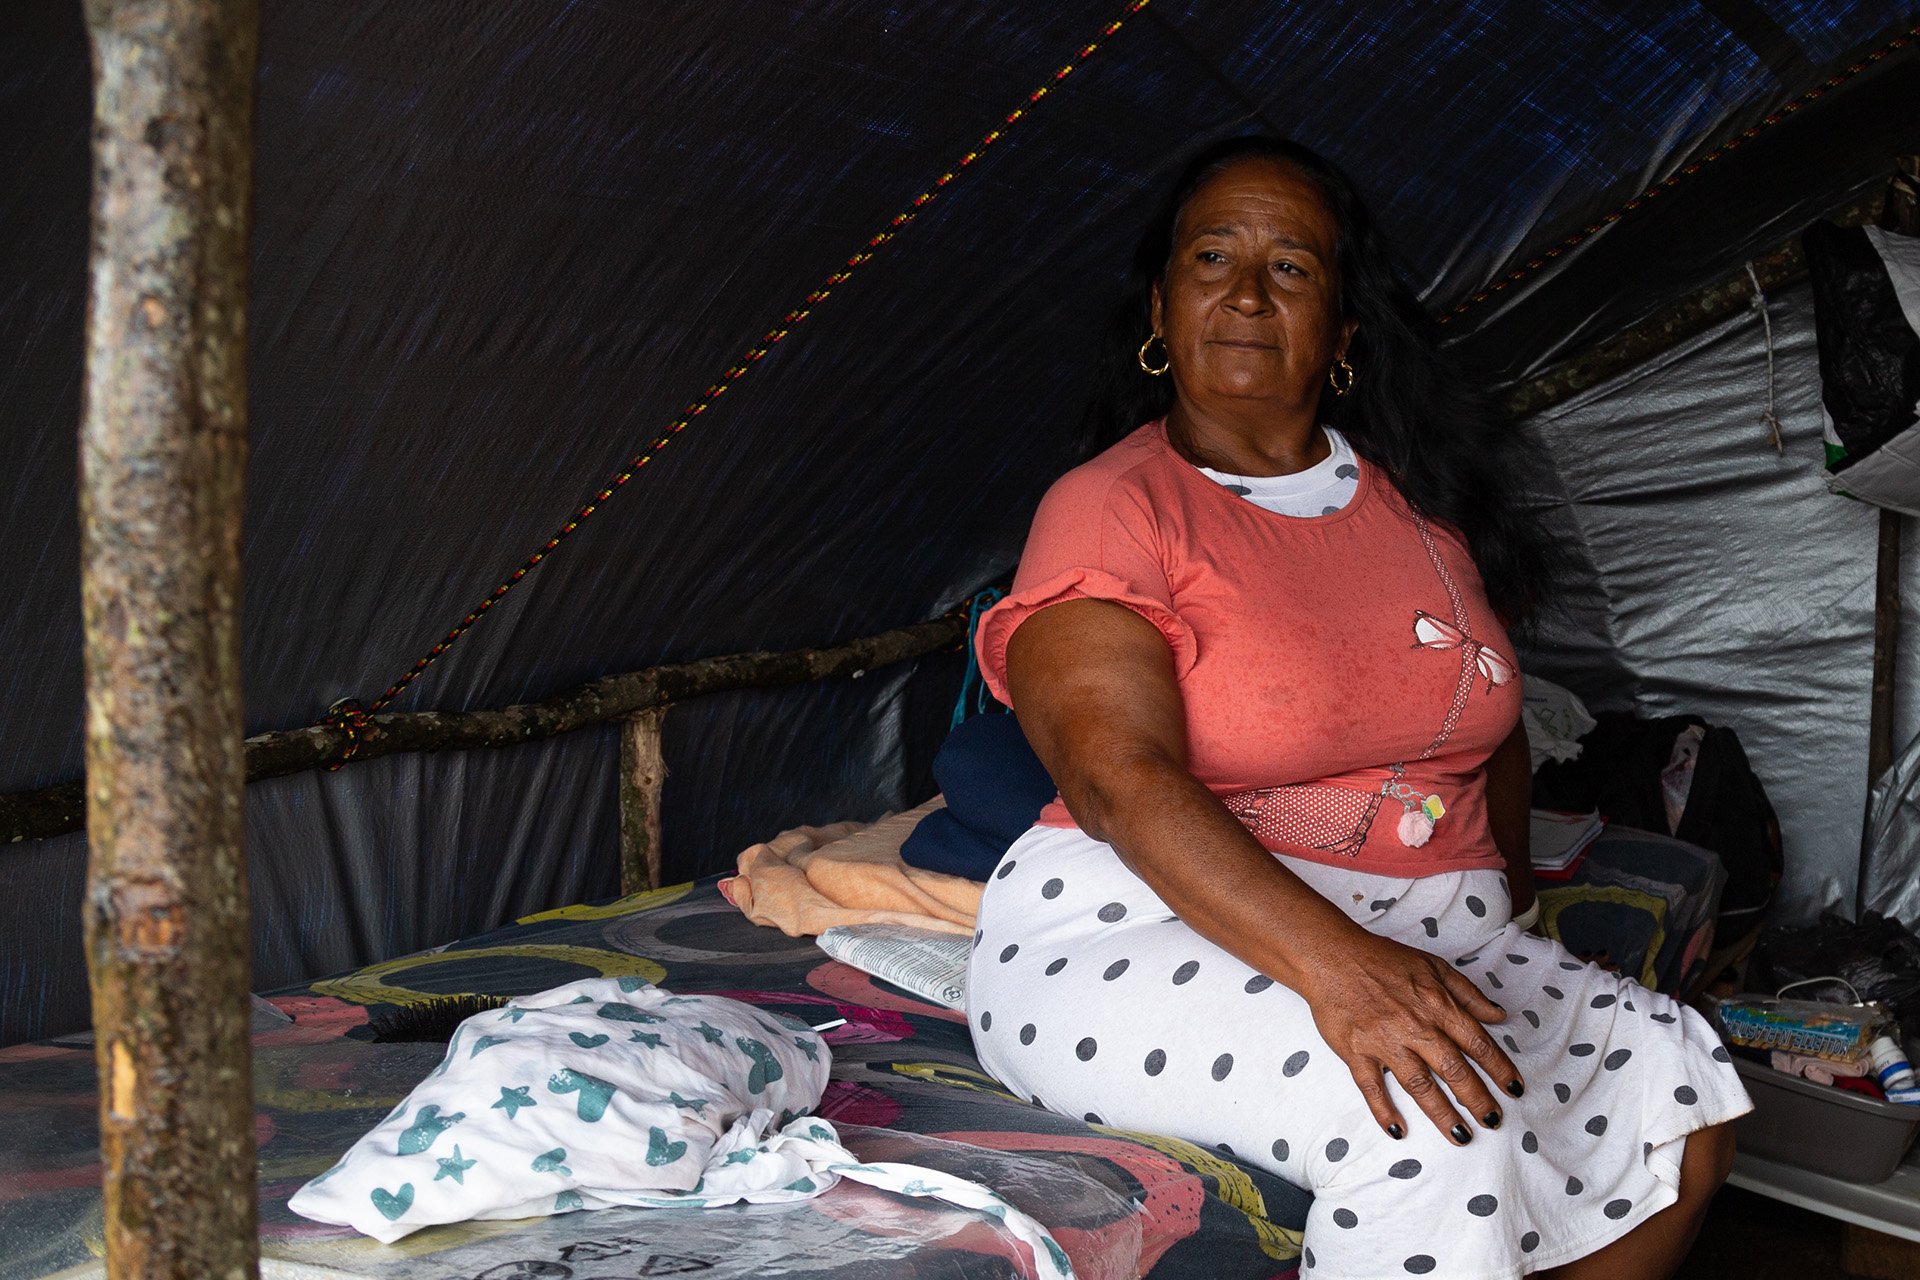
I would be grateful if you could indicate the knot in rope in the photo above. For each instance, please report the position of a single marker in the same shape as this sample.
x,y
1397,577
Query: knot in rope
x,y
354,720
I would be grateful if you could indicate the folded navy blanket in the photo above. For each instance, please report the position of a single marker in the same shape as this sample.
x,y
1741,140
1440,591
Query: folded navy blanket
x,y
995,786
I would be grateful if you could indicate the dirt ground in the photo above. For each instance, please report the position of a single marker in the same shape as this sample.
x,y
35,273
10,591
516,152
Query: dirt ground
x,y
1750,1237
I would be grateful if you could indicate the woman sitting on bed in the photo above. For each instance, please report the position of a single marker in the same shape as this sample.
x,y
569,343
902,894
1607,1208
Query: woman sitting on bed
x,y
1258,642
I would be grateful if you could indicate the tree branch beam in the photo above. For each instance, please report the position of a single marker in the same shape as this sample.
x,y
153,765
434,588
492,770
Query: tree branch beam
x,y
51,811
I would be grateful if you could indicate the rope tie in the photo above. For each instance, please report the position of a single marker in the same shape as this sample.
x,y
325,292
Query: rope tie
x,y
343,712
352,719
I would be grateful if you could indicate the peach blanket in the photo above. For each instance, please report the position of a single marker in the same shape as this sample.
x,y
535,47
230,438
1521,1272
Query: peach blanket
x,y
810,879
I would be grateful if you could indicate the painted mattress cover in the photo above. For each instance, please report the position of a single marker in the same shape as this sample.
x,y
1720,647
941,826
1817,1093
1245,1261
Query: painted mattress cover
x,y
905,1086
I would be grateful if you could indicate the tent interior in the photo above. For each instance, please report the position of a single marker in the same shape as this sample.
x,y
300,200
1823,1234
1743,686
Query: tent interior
x,y
498,247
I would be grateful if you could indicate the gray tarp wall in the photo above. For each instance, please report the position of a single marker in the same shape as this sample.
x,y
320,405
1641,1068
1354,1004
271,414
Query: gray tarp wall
x,y
1722,578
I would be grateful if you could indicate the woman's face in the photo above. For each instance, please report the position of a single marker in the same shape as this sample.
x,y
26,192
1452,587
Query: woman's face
x,y
1249,305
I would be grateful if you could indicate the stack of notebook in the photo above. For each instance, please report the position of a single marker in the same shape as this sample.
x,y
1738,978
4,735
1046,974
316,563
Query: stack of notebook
x,y
1560,840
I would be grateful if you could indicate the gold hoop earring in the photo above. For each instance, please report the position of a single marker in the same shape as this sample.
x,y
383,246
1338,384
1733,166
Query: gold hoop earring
x,y
1166,357
1340,365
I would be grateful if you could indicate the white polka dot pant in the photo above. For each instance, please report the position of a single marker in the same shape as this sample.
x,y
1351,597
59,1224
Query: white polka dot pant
x,y
1087,995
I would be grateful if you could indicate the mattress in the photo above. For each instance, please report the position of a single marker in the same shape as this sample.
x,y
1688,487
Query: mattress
x,y
905,1086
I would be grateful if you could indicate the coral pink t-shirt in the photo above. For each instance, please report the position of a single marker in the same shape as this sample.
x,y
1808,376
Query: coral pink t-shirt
x,y
1313,653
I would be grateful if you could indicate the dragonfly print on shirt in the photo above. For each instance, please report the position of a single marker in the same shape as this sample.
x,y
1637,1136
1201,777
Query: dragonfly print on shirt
x,y
1430,632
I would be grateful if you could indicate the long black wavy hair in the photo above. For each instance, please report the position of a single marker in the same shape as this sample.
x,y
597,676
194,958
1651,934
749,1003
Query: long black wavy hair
x,y
1449,450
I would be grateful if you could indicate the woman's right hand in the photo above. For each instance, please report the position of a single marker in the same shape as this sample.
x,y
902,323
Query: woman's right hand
x,y
1098,699
1384,1007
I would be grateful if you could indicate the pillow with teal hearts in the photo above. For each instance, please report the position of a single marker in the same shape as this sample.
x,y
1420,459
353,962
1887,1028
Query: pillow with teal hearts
x,y
603,1092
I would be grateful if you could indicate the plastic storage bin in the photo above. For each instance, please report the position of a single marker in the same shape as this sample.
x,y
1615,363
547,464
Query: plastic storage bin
x,y
1818,1127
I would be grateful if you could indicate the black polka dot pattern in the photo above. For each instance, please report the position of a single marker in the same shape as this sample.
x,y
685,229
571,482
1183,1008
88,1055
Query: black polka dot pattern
x,y
1199,999
1720,1054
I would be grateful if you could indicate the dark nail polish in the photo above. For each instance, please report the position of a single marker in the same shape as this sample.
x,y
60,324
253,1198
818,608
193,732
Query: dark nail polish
x,y
1515,1088
1395,1132
1461,1134
1491,1120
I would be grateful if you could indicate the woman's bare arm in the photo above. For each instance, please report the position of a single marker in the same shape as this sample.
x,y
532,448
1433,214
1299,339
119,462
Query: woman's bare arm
x,y
1094,686
1509,812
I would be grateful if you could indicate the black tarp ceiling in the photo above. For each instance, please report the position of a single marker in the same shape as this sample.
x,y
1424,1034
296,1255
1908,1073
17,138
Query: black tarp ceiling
x,y
500,243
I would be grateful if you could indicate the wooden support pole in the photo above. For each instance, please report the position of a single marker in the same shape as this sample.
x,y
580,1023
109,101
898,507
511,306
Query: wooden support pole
x,y
1900,213
1886,646
643,775
163,453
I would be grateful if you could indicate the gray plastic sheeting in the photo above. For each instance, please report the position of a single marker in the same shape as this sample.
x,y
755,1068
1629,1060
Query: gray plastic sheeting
x,y
1720,577
1889,883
